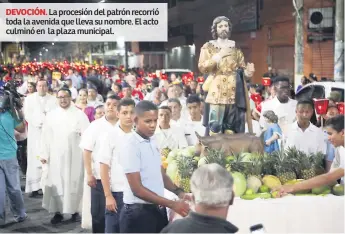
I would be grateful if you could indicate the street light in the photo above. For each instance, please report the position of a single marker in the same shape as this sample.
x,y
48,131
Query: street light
x,y
102,1
52,43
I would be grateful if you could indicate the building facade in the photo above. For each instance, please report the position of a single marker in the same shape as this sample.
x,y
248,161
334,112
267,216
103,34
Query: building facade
x,y
263,29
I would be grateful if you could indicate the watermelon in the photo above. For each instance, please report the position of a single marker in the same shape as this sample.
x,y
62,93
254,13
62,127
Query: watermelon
x,y
240,183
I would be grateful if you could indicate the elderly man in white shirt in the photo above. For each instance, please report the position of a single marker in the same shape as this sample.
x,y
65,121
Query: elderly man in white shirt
x,y
302,134
194,122
112,175
168,136
281,104
91,144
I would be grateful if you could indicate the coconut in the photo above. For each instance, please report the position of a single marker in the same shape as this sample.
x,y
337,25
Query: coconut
x,y
240,183
253,183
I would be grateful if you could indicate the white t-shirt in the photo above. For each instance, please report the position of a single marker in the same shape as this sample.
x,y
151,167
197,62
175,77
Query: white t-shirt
x,y
91,141
312,140
110,151
191,128
172,138
286,112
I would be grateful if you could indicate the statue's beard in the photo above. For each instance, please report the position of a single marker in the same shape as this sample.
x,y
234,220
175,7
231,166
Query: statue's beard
x,y
223,35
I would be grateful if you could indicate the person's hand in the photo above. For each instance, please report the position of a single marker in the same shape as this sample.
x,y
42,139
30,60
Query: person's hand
x,y
284,190
181,207
185,196
91,181
110,204
43,161
268,142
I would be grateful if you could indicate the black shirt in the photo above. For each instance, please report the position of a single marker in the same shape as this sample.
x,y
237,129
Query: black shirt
x,y
199,223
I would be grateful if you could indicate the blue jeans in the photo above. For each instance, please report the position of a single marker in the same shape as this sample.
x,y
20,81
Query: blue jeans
x,y
143,218
98,208
112,219
10,182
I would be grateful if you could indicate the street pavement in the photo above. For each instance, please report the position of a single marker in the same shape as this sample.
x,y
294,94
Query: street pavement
x,y
38,220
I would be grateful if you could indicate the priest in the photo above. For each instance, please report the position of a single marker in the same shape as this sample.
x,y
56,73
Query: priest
x,y
36,107
62,158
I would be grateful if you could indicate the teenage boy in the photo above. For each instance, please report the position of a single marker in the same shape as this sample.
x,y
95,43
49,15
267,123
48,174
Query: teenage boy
x,y
144,203
112,176
335,130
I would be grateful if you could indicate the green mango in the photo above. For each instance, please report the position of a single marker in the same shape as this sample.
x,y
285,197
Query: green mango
x,y
256,195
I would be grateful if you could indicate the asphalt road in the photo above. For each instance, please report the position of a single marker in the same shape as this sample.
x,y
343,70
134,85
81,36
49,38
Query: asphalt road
x,y
38,220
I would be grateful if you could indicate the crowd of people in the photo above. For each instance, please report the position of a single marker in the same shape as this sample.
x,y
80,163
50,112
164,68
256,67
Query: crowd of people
x,y
94,144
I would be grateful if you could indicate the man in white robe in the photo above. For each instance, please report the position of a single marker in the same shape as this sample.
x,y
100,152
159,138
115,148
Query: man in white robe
x,y
194,122
63,159
36,107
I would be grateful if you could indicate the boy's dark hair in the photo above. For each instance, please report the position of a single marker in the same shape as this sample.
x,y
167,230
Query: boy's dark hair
x,y
305,102
336,122
113,97
66,90
125,102
193,98
144,106
174,100
164,108
155,83
278,79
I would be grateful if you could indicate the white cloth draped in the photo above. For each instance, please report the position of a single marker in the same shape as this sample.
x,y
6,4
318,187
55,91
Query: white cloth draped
x,y
35,109
64,176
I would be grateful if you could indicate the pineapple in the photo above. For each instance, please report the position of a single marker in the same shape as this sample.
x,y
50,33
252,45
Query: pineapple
x,y
216,156
185,168
255,168
165,152
320,166
283,166
306,166
238,164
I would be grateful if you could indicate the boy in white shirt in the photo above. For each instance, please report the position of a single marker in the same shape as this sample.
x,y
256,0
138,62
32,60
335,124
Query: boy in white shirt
x,y
112,175
335,131
302,134
90,144
195,120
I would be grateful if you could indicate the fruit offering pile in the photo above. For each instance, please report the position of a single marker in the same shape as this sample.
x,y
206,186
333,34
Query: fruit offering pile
x,y
254,175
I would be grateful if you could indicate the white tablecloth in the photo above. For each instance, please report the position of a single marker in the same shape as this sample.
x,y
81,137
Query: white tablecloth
x,y
291,214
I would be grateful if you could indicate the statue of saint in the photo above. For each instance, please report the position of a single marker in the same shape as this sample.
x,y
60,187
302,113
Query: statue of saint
x,y
227,101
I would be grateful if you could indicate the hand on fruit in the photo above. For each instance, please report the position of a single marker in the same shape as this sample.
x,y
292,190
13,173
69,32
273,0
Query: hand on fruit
x,y
110,204
284,190
181,207
91,181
